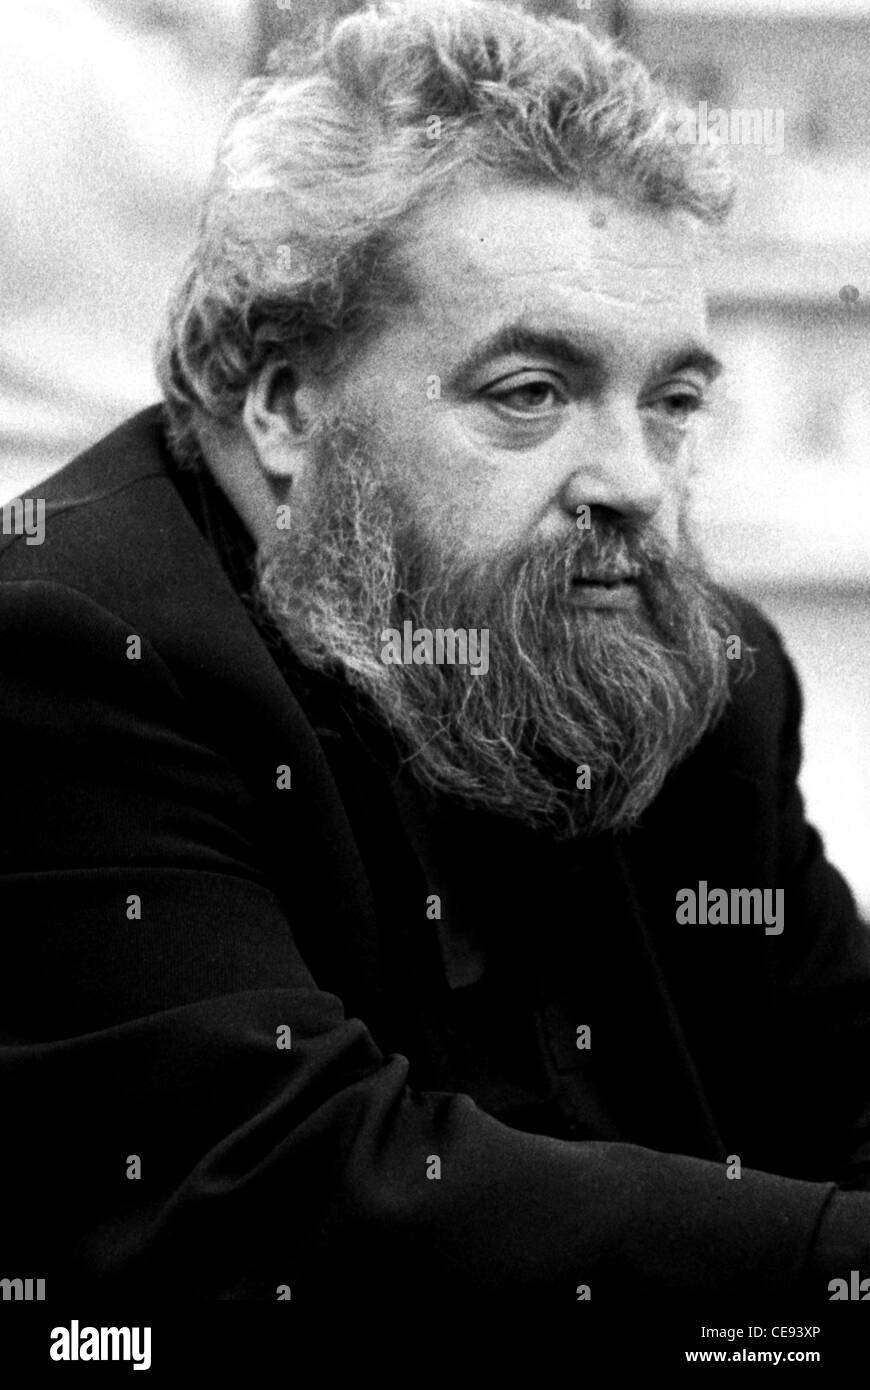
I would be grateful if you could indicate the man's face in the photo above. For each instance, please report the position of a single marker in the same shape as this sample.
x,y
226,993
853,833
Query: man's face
x,y
495,453
511,455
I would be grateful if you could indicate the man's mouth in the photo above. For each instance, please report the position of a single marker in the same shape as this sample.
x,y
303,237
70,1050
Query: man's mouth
x,y
608,579
607,590
606,583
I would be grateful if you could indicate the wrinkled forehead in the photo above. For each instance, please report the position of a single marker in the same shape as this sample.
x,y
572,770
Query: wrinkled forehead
x,y
488,249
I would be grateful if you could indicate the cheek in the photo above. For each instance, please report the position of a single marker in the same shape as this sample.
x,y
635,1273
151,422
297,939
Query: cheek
x,y
675,458
494,503
460,487
465,496
669,517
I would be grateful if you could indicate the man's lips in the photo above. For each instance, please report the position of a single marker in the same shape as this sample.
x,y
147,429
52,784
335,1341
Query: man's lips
x,y
608,580
607,590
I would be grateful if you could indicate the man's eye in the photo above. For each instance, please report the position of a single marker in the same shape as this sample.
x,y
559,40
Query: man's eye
x,y
532,397
679,405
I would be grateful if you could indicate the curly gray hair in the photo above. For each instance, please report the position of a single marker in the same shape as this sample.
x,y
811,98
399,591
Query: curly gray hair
x,y
345,135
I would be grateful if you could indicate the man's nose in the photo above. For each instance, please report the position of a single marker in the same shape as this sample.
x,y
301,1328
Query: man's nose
x,y
614,468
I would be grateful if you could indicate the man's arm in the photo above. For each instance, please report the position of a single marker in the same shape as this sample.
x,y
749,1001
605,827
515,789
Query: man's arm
x,y
159,1139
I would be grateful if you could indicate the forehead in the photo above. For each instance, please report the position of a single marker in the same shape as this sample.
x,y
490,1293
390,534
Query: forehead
x,y
490,250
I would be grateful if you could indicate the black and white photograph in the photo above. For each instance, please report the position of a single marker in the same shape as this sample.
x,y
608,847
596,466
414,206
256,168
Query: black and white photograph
x,y
434,685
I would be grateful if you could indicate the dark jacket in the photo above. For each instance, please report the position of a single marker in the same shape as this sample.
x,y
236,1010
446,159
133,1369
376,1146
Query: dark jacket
x,y
170,910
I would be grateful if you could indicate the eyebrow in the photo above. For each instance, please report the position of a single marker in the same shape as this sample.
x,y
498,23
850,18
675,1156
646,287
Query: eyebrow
x,y
566,347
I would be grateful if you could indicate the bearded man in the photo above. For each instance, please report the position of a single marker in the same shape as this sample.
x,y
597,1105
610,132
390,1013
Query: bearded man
x,y
349,964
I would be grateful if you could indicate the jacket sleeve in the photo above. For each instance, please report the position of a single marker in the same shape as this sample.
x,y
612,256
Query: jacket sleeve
x,y
822,967
159,1140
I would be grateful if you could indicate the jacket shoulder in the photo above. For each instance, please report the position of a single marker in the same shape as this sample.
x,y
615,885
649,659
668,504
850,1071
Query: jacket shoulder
x,y
135,450
765,704
118,534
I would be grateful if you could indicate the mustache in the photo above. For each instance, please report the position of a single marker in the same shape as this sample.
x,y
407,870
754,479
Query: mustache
x,y
614,550
610,549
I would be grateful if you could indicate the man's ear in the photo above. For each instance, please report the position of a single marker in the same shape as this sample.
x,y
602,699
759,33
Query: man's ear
x,y
277,426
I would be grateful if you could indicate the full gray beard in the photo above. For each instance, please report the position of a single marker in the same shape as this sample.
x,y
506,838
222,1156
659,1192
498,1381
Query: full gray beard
x,y
626,694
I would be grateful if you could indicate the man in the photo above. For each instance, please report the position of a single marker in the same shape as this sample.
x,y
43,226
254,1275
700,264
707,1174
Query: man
x,y
412,890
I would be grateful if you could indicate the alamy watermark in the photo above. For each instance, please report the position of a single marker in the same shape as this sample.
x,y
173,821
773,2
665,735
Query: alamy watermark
x,y
423,646
734,125
716,907
17,519
22,1290
75,1343
857,1289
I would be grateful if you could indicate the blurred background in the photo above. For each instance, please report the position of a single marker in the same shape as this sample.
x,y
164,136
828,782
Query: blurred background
x,y
111,111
